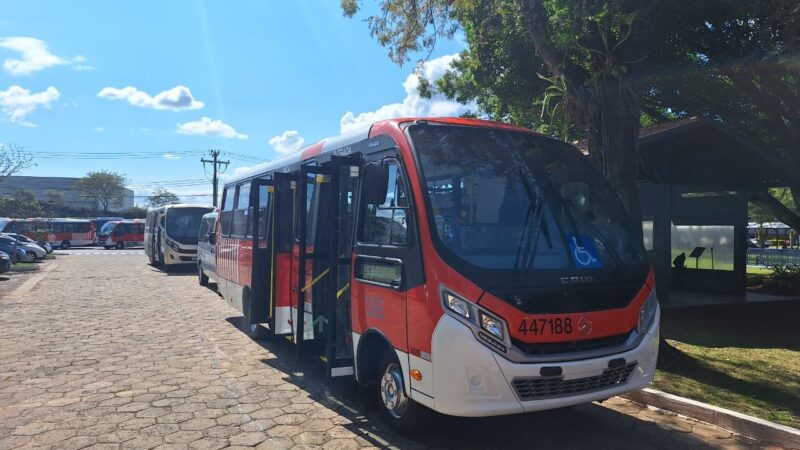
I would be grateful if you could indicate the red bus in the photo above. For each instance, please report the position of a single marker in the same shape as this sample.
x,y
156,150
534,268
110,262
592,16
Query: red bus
x,y
63,233
120,234
464,266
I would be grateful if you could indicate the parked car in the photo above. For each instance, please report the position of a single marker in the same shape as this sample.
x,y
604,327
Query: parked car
x,y
32,250
47,247
9,247
5,262
206,263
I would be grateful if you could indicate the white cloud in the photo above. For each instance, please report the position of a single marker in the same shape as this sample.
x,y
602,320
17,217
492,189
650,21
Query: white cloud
x,y
288,142
413,105
99,129
34,56
17,103
170,156
176,99
240,170
207,127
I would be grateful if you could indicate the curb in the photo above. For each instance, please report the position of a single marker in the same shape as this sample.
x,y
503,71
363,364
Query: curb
x,y
760,429
17,268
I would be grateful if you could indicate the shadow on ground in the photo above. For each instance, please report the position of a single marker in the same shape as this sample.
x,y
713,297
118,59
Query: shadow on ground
x,y
584,426
744,325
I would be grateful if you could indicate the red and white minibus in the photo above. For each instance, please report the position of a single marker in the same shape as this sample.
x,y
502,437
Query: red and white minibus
x,y
469,267
63,233
121,233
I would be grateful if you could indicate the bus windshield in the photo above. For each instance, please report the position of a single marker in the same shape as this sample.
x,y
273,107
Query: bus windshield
x,y
520,203
183,224
107,228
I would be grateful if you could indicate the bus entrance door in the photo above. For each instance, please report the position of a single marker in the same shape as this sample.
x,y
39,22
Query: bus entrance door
x,y
281,276
343,190
261,296
325,249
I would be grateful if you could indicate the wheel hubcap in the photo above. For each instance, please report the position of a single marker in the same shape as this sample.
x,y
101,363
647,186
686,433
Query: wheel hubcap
x,y
392,392
253,327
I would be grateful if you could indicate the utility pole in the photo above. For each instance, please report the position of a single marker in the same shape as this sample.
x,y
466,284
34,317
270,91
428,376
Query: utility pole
x,y
216,164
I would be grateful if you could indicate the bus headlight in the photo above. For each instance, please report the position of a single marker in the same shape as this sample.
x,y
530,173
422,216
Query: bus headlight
x,y
458,306
493,326
472,314
647,313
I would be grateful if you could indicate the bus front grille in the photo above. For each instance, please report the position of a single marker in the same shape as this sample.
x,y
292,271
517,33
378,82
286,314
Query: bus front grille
x,y
557,348
540,388
568,300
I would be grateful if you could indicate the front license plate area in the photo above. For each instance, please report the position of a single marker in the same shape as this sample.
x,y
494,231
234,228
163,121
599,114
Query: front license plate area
x,y
551,326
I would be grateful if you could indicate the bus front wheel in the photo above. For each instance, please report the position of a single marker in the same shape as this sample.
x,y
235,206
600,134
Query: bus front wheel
x,y
65,245
402,413
202,278
120,245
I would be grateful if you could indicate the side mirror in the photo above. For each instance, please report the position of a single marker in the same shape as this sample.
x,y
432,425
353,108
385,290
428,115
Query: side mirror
x,y
212,238
376,181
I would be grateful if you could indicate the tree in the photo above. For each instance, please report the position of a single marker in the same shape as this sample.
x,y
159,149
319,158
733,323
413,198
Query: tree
x,y
600,68
13,158
161,197
105,187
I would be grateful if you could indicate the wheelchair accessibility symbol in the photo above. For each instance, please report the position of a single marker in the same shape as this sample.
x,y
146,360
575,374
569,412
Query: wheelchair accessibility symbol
x,y
583,252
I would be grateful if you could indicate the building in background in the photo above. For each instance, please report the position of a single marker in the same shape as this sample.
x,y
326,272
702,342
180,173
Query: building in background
x,y
57,189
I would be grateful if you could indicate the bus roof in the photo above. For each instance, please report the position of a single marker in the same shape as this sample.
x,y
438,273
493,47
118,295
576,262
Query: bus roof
x,y
329,144
179,205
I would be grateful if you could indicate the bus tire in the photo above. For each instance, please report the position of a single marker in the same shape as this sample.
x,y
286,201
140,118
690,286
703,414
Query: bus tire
x,y
253,330
402,413
65,245
202,278
120,245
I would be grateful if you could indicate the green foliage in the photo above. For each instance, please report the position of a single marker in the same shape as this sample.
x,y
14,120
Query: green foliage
x,y
785,279
161,197
757,214
13,207
105,187
21,209
600,69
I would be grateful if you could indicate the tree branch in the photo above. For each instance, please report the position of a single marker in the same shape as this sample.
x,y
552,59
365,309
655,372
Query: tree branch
x,y
536,23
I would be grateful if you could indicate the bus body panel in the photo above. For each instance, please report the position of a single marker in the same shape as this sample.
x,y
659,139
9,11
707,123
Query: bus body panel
x,y
471,380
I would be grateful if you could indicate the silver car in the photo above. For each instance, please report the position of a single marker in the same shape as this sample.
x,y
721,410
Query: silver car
x,y
32,250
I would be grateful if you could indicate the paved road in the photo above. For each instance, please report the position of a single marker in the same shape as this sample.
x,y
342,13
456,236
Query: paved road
x,y
108,352
99,251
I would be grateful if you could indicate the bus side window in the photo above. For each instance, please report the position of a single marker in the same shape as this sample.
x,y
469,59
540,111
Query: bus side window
x,y
264,202
226,215
240,216
387,224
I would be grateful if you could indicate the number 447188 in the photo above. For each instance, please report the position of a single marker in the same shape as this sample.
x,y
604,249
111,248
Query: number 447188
x,y
539,327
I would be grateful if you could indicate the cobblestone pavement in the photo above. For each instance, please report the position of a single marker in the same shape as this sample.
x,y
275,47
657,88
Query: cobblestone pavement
x,y
111,353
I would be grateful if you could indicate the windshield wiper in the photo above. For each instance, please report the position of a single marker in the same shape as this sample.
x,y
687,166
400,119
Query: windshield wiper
x,y
531,228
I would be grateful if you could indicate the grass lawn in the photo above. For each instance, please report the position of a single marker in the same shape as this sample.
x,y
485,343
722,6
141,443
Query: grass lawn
x,y
744,357
756,270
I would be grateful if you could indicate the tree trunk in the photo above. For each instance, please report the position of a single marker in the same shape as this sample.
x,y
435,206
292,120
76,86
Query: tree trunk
x,y
612,119
777,209
795,190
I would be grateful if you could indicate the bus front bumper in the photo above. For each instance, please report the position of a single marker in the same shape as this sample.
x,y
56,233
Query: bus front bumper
x,y
471,380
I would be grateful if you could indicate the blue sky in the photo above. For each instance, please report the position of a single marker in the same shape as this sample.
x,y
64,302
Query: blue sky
x,y
172,79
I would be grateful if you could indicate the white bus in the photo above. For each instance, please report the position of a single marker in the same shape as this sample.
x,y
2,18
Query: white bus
x,y
170,234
